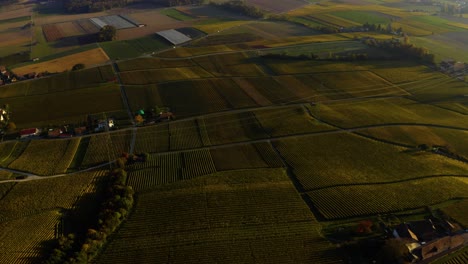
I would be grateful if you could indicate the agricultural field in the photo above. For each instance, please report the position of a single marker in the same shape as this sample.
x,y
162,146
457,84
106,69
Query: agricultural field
x,y
350,201
445,46
230,128
321,49
232,215
152,139
63,82
184,135
267,156
90,58
142,77
413,136
237,157
341,158
236,64
176,14
47,157
152,63
58,31
289,121
200,96
363,17
456,211
369,112
30,214
55,102
104,148
124,49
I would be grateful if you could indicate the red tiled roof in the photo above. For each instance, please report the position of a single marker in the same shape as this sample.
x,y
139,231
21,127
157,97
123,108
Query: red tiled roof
x,y
28,131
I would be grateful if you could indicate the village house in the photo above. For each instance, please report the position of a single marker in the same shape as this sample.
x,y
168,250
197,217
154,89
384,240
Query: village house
x,y
425,239
54,132
29,132
80,130
165,116
103,124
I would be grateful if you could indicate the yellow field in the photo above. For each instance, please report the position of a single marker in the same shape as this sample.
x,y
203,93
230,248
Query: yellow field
x,y
333,7
301,40
88,58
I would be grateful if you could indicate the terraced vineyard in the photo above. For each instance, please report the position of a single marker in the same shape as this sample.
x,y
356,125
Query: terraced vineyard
x,y
234,233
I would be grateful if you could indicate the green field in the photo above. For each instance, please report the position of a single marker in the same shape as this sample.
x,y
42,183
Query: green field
x,y
176,14
125,49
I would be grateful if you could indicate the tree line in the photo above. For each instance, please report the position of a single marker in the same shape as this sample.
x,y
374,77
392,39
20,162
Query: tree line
x,y
242,7
114,209
401,49
87,6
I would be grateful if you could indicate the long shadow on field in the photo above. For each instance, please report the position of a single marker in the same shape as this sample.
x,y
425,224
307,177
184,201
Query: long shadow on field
x,y
45,248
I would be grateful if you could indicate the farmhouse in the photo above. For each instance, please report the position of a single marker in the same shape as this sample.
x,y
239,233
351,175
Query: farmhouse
x,y
29,132
102,124
54,132
166,116
425,240
174,36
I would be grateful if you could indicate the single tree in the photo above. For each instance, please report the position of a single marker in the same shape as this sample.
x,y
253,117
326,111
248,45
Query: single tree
x,y
107,33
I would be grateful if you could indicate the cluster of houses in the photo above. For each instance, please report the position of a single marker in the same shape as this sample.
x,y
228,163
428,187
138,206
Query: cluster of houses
x,y
93,126
453,67
7,76
430,238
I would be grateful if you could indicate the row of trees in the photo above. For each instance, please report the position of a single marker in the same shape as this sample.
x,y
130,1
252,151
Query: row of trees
x,y
242,7
115,208
182,2
402,49
85,6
